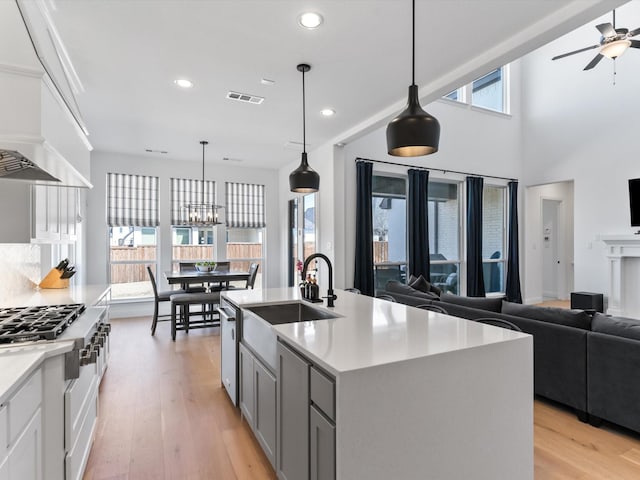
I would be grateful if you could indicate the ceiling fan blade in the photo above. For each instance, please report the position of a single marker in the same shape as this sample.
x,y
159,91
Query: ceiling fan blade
x,y
635,44
633,33
606,29
593,62
574,52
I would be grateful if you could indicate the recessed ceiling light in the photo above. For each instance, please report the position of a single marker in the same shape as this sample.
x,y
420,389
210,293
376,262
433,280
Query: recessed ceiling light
x,y
310,20
183,83
327,112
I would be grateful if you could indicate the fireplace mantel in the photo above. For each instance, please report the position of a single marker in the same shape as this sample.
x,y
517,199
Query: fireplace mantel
x,y
623,255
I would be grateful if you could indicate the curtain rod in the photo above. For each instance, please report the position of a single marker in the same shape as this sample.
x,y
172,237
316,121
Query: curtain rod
x,y
434,169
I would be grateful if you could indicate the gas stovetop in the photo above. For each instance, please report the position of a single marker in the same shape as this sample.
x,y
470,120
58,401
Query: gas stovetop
x,y
25,324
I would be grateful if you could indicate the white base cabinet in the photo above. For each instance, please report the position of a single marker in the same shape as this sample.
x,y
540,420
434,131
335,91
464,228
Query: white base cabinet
x,y
25,456
21,432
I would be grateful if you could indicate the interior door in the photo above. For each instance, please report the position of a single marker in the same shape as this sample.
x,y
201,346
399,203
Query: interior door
x,y
551,260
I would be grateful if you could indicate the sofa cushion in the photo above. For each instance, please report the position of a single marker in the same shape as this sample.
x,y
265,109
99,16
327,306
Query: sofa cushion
x,y
396,287
482,303
421,283
618,326
560,316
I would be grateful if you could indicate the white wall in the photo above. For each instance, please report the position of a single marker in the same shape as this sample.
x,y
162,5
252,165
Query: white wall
x,y
472,140
531,235
579,126
165,168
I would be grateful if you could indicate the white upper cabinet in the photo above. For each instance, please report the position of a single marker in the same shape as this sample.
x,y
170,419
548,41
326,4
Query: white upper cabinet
x,y
38,121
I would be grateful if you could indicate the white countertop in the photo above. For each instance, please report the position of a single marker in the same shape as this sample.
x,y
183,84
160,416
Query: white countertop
x,y
87,294
17,362
370,332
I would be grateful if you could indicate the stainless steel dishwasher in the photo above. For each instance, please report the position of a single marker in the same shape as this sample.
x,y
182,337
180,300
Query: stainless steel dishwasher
x,y
229,337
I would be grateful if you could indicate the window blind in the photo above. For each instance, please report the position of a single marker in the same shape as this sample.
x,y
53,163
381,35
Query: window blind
x,y
186,191
132,200
245,205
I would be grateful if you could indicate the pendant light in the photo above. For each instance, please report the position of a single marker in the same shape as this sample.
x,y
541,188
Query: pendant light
x,y
414,132
202,213
304,179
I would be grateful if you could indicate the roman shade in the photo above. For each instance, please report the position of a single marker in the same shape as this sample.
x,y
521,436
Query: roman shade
x,y
188,191
245,205
132,200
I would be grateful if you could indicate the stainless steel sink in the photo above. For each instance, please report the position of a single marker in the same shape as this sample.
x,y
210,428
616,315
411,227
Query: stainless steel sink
x,y
258,335
290,313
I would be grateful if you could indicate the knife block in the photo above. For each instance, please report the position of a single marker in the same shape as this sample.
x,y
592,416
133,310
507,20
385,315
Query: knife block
x,y
53,280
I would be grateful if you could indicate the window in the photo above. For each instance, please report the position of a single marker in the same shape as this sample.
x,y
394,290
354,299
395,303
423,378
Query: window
x,y
457,95
245,227
132,217
244,247
389,210
302,241
444,235
493,238
488,91
190,242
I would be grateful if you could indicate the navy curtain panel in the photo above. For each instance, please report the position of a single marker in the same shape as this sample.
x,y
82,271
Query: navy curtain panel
x,y
363,279
418,223
512,289
475,276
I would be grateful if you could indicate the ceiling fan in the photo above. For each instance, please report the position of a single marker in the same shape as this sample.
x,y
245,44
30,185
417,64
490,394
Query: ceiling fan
x,y
613,43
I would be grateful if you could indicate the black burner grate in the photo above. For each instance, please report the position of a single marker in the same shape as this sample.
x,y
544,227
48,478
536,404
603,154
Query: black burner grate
x,y
25,324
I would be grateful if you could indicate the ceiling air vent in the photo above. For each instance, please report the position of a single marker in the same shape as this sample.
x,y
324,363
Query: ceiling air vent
x,y
245,97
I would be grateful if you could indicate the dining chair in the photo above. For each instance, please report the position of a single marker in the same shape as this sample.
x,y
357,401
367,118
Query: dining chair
x,y
251,279
162,296
189,287
432,308
384,296
498,322
217,286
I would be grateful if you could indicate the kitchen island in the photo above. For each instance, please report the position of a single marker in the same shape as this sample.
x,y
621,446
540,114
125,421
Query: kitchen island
x,y
412,394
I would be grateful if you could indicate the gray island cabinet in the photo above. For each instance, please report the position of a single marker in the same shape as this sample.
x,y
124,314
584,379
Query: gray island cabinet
x,y
306,433
383,390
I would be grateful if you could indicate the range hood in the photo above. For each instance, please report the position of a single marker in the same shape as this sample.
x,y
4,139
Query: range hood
x,y
15,166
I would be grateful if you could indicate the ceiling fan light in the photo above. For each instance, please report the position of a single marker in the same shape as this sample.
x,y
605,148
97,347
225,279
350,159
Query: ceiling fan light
x,y
304,179
414,132
615,49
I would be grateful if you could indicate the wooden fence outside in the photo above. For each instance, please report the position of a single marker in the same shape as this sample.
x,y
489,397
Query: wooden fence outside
x,y
137,272
380,252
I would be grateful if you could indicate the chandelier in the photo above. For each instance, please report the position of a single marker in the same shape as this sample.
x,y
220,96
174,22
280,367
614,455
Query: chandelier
x,y
203,213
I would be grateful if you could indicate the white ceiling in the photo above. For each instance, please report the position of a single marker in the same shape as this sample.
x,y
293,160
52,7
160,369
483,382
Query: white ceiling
x,y
128,52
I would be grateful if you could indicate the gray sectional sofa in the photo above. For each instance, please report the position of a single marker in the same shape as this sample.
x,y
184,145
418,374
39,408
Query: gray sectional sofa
x,y
588,362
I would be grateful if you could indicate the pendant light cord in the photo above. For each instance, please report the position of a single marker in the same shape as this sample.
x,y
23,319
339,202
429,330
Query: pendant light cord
x,y
413,43
304,116
203,145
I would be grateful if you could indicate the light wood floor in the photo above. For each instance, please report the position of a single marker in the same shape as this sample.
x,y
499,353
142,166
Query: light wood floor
x,y
164,415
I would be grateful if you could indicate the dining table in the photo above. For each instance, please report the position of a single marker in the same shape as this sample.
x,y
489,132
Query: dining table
x,y
194,276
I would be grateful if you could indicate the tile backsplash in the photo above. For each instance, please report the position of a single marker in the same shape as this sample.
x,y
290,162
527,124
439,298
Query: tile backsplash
x,y
20,267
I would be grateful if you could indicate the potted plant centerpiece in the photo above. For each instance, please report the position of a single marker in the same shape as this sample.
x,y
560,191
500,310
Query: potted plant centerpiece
x,y
205,266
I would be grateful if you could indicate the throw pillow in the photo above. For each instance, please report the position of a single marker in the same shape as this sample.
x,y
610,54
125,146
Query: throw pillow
x,y
490,304
420,283
618,326
394,286
560,316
